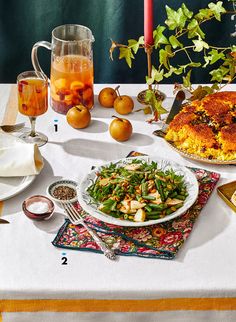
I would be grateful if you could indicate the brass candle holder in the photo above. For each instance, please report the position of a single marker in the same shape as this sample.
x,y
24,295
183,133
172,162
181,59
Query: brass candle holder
x,y
142,95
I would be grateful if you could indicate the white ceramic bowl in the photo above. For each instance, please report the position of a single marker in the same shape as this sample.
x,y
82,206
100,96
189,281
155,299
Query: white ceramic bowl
x,y
89,205
64,182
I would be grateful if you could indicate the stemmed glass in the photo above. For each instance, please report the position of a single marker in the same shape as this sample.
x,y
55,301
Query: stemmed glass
x,y
33,101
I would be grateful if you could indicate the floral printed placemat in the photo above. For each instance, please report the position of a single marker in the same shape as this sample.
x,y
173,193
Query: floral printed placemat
x,y
157,241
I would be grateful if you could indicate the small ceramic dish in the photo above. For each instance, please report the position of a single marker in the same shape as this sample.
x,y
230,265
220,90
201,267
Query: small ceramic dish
x,y
36,215
61,190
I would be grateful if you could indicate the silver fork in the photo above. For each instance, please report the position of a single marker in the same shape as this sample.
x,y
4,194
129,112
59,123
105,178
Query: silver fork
x,y
77,219
12,128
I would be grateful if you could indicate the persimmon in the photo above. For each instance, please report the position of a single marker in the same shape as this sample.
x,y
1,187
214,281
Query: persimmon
x,y
120,129
107,97
123,104
78,117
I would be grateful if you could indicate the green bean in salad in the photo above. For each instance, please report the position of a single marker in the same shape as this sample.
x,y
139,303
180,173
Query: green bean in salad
x,y
138,191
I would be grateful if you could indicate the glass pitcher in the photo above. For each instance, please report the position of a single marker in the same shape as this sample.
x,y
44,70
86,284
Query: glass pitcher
x,y
71,81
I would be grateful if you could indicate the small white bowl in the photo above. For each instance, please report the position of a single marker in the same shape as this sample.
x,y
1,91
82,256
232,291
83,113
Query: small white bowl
x,y
64,182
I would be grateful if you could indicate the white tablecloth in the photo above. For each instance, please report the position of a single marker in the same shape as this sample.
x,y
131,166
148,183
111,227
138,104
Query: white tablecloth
x,y
199,284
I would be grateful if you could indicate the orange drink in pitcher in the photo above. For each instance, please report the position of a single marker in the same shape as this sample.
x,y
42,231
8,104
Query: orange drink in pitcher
x,y
71,67
71,82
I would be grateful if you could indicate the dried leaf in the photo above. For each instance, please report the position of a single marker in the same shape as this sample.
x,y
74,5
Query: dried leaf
x,y
112,48
147,110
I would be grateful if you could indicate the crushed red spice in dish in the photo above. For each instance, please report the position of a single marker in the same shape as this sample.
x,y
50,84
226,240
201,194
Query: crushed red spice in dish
x,y
64,193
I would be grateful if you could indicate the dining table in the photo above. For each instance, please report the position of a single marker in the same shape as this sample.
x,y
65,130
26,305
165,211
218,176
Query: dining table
x,y
41,282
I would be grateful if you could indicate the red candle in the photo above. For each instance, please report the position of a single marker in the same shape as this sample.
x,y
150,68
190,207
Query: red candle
x,y
148,22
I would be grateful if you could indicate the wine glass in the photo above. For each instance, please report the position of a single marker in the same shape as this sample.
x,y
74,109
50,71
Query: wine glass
x,y
33,101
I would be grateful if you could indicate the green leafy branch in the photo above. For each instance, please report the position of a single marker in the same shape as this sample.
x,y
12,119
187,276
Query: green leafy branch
x,y
168,44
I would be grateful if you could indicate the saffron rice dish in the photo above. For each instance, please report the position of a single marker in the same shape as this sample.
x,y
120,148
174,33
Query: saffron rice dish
x,y
207,127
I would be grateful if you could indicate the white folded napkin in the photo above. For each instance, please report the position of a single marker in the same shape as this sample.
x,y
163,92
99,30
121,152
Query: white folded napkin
x,y
18,158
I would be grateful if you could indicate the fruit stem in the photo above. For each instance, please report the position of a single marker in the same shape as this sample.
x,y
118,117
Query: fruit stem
x,y
117,90
116,117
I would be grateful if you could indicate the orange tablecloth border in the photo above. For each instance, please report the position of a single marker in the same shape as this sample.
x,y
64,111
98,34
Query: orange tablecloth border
x,y
90,305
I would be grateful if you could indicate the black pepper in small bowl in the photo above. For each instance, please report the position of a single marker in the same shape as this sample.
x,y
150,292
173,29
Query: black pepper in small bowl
x,y
62,191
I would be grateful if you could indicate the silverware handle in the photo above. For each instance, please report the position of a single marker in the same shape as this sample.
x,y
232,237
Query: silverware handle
x,y
109,253
159,133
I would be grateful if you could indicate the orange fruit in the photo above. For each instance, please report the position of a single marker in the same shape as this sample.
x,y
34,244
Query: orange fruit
x,y
78,117
124,104
107,97
120,129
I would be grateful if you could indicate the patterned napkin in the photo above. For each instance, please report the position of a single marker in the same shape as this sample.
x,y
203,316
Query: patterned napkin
x,y
157,241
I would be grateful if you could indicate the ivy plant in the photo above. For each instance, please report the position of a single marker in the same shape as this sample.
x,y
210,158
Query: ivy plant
x,y
168,43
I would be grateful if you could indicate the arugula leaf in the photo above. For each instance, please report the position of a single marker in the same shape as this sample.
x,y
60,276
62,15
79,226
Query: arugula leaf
x,y
109,205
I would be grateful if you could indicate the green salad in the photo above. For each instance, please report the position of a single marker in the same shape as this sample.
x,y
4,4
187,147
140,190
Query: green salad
x,y
138,191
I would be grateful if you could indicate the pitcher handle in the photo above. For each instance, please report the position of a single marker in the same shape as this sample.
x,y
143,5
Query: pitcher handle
x,y
34,55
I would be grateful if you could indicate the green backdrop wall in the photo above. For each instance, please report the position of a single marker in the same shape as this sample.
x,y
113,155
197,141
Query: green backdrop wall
x,y
24,22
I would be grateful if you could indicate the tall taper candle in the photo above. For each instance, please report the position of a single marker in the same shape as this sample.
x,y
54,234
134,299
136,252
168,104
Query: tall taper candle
x,y
148,22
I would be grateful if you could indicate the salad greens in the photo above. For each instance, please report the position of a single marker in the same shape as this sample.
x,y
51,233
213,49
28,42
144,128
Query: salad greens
x,y
138,191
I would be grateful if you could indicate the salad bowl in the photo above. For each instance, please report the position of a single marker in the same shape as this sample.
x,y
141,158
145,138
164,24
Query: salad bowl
x,y
93,207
